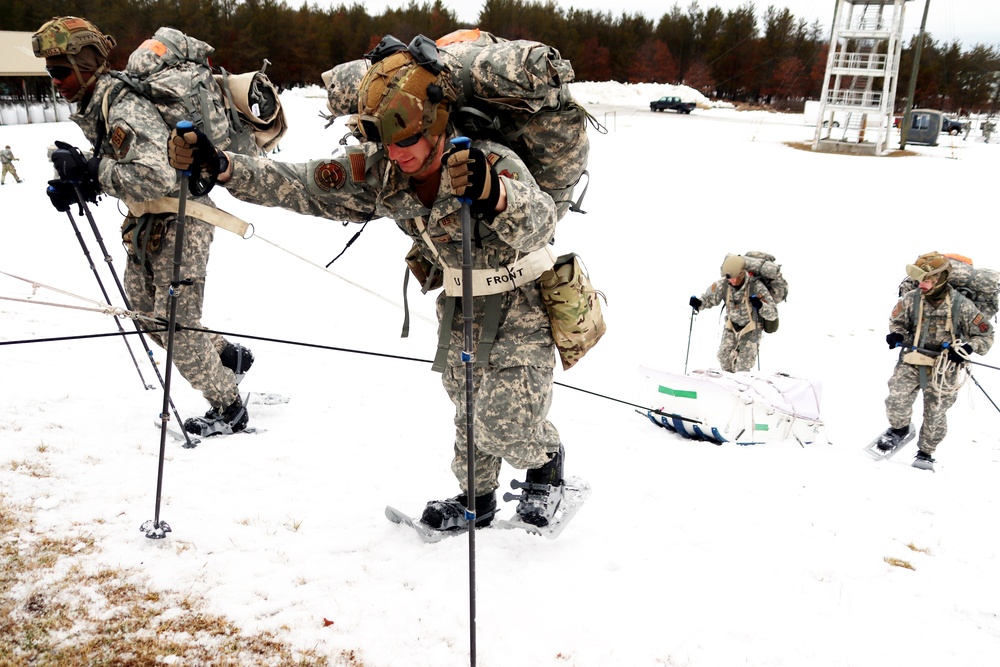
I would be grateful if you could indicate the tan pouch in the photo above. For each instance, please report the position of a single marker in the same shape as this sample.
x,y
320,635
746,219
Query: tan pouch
x,y
429,277
574,309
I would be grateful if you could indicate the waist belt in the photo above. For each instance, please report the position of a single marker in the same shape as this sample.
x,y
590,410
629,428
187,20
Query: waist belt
x,y
485,282
741,329
213,216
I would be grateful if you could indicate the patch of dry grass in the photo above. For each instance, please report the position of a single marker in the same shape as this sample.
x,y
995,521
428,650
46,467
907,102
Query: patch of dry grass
x,y
54,612
808,146
899,562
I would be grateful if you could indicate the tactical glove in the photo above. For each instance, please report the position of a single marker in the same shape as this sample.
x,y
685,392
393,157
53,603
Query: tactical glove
x,y
756,302
955,356
894,340
190,150
695,303
61,194
71,165
473,178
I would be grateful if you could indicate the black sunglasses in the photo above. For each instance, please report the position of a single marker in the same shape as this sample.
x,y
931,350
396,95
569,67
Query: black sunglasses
x,y
409,141
59,72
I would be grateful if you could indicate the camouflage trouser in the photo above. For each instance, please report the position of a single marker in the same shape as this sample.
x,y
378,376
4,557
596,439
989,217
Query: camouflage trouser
x,y
13,172
511,406
736,353
903,387
196,354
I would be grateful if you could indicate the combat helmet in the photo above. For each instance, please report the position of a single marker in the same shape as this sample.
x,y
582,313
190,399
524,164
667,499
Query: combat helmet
x,y
67,37
405,93
733,266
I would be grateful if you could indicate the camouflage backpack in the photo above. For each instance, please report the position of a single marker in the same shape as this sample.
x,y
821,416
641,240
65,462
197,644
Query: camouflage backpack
x,y
514,92
172,70
981,286
763,266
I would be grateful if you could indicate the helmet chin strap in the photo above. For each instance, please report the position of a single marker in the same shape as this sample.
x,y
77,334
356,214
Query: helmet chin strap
x,y
84,85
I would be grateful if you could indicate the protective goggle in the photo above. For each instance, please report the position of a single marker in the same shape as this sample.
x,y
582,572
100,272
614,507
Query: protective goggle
x,y
383,130
423,49
59,72
915,272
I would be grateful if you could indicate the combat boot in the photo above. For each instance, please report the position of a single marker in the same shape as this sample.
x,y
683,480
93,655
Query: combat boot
x,y
891,438
924,461
232,419
543,491
237,358
450,514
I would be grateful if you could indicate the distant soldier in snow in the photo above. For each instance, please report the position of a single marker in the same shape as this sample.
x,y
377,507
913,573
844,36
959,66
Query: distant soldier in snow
x,y
747,301
7,159
925,320
405,170
129,138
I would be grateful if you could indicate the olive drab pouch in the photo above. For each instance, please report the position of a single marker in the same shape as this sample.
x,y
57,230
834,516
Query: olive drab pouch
x,y
770,326
143,236
574,308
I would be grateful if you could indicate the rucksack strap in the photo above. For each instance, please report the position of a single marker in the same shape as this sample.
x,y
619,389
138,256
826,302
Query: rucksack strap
x,y
487,333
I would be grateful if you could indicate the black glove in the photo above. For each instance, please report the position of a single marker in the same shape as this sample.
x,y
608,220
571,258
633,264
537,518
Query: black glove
x,y
894,340
73,167
62,195
190,150
695,303
955,357
473,178
756,302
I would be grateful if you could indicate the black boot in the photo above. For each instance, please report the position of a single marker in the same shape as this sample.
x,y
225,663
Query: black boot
x,y
238,359
450,514
924,461
544,491
233,419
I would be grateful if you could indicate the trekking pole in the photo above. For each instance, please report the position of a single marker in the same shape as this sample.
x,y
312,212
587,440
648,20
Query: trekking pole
x,y
189,442
104,292
690,328
983,390
156,529
756,333
470,405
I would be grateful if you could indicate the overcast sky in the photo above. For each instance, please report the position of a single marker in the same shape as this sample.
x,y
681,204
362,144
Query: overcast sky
x,y
969,21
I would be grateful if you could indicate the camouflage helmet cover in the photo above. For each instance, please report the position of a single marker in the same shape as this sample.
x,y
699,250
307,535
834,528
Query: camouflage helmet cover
x,y
398,99
928,266
67,36
733,266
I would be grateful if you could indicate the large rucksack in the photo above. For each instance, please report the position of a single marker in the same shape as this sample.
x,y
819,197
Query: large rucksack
x,y
981,286
514,92
763,266
173,71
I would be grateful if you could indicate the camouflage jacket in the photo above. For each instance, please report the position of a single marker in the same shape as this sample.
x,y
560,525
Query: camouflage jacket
x,y
970,326
133,140
6,156
362,183
738,300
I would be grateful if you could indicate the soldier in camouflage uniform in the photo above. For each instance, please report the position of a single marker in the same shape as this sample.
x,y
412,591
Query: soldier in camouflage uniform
x,y
747,301
927,318
130,163
404,171
7,159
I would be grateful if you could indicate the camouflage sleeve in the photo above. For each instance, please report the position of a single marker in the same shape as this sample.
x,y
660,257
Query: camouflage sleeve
x,y
714,295
529,221
901,319
134,163
767,309
977,328
322,188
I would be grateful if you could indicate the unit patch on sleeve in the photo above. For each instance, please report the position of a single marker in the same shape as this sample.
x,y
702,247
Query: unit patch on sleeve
x,y
120,140
330,175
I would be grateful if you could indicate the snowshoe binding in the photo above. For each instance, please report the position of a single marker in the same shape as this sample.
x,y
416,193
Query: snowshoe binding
x,y
232,419
542,491
890,442
450,514
924,461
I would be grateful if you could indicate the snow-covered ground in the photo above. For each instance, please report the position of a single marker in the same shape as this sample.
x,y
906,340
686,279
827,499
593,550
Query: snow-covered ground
x,y
686,554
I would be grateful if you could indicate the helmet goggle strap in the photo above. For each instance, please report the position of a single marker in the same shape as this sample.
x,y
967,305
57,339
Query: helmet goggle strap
x,y
921,274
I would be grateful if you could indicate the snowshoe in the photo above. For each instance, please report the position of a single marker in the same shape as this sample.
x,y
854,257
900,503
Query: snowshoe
x,y
887,444
232,419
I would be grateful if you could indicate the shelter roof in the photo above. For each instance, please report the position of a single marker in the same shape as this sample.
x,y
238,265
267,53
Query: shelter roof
x,y
16,56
